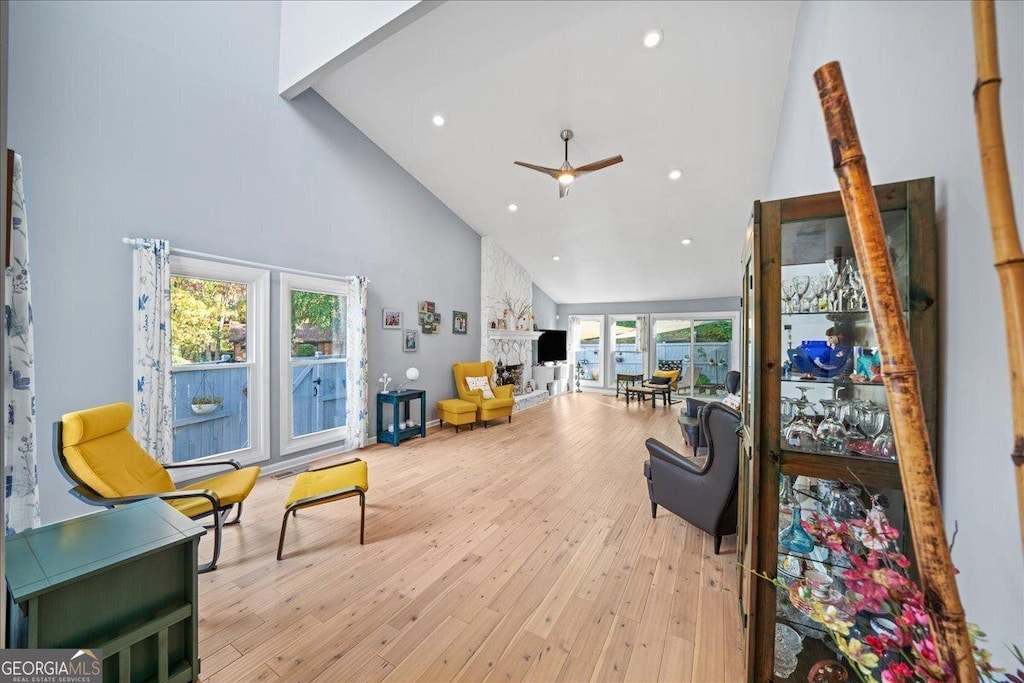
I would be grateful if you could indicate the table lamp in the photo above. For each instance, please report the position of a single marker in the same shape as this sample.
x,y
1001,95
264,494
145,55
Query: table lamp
x,y
411,375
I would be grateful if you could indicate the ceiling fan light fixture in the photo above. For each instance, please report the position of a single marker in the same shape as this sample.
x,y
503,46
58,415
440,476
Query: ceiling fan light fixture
x,y
653,38
566,178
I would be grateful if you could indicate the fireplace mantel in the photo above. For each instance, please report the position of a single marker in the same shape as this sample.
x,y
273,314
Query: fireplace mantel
x,y
518,335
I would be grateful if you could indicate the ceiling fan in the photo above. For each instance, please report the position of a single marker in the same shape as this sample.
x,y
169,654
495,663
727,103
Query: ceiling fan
x,y
565,174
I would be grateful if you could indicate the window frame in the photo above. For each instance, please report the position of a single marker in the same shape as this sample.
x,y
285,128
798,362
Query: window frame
x,y
307,283
694,318
257,356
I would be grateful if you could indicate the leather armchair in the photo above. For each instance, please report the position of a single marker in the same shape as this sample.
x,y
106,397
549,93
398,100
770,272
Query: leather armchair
x,y
486,408
702,493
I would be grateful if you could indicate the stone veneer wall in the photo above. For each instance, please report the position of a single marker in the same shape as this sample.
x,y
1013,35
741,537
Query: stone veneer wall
x,y
500,275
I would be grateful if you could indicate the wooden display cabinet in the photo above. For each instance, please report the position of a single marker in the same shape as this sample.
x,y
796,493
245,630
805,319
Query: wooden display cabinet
x,y
788,239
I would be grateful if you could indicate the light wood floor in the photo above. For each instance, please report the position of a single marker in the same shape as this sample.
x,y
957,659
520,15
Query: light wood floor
x,y
521,552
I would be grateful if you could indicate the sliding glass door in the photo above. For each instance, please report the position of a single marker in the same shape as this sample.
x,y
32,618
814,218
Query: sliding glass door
x,y
626,356
700,348
590,354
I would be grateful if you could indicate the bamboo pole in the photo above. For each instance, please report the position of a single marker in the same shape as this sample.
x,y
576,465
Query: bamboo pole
x,y
899,372
1005,238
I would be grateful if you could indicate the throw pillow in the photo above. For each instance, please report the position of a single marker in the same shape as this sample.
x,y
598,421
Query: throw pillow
x,y
482,384
733,401
659,381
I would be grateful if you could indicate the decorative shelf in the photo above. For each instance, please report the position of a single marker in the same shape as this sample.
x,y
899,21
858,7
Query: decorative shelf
x,y
833,382
516,335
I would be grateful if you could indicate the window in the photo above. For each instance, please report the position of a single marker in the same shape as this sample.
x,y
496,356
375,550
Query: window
x,y
219,360
590,354
313,362
627,358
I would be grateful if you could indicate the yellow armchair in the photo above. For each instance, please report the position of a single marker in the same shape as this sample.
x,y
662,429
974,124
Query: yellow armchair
x,y
100,457
486,408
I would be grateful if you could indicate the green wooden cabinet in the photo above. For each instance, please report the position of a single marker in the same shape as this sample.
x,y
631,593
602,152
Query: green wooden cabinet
x,y
121,580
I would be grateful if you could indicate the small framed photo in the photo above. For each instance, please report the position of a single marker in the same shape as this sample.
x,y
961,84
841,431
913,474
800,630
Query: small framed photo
x,y
460,322
392,319
410,340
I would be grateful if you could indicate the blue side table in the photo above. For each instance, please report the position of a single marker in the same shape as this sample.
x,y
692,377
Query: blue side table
x,y
401,399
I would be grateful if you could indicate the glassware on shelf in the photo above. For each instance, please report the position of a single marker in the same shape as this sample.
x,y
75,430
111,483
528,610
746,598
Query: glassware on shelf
x,y
884,442
853,415
800,433
788,294
842,502
794,537
788,644
819,287
802,283
831,434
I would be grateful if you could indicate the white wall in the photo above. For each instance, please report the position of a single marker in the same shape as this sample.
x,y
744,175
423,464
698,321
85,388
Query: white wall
x,y
909,68
315,32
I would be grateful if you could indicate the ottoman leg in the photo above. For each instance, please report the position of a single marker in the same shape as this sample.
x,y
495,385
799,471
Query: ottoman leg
x,y
362,516
284,526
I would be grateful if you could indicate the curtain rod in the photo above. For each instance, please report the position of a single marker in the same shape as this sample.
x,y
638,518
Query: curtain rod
x,y
241,262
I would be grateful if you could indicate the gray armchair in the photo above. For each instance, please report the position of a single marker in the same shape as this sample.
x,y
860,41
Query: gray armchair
x,y
701,491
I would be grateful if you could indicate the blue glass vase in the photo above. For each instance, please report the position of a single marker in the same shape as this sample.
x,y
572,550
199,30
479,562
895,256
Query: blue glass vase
x,y
794,538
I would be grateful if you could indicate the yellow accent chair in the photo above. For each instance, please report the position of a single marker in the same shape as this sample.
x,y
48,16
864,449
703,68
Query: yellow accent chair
x,y
486,408
107,467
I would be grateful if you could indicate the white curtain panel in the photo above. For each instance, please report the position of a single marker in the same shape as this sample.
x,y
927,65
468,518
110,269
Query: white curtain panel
x,y
151,338
357,367
643,332
21,489
573,342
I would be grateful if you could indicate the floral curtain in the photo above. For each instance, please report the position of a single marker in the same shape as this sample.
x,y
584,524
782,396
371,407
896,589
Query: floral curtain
x,y
21,490
151,337
643,332
573,343
357,367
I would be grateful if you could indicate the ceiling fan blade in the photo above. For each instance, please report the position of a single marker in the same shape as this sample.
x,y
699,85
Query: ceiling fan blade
x,y
598,165
553,172
563,190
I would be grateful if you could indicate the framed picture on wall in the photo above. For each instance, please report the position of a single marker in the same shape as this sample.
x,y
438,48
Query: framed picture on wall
x,y
460,322
429,318
410,340
392,319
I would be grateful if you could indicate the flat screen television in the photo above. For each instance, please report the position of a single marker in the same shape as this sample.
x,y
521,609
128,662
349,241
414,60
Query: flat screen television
x,y
551,346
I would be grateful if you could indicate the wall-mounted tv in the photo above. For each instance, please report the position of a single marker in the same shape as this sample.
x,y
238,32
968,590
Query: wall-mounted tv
x,y
551,346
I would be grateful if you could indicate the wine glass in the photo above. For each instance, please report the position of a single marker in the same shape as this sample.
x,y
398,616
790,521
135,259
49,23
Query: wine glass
x,y
788,292
819,285
799,433
831,434
802,284
884,442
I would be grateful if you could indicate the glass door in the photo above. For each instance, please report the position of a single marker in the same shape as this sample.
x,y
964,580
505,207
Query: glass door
x,y
590,353
714,355
626,356
673,338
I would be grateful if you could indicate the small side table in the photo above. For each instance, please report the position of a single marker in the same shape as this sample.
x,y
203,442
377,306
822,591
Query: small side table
x,y
624,381
401,399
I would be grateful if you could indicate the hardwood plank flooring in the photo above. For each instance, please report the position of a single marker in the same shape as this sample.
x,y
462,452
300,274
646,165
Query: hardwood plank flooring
x,y
523,552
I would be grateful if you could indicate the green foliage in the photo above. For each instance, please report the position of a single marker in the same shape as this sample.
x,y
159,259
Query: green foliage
x,y
201,315
207,400
305,351
703,379
714,331
315,308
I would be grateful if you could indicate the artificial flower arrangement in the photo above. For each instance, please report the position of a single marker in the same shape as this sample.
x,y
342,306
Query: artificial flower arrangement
x,y
877,582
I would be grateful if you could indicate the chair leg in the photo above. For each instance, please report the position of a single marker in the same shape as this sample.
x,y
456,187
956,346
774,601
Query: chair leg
x,y
284,526
218,526
654,510
510,419
362,516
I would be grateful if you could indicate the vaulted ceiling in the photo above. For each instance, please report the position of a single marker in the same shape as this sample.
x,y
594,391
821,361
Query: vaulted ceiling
x,y
508,76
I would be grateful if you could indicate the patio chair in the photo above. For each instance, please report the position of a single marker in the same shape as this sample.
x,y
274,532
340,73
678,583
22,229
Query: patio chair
x,y
107,467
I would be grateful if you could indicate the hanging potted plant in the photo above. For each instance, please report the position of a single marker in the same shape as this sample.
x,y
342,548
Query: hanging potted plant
x,y
203,402
204,405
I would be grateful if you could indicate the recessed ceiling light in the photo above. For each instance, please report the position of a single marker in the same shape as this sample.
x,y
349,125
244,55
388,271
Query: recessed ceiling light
x,y
653,38
438,120
687,240
513,208
675,174
556,257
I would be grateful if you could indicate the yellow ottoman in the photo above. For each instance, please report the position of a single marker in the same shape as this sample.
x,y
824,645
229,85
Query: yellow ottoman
x,y
326,485
457,412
